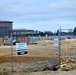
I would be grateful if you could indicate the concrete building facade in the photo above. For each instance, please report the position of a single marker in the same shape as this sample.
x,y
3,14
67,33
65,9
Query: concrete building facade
x,y
5,27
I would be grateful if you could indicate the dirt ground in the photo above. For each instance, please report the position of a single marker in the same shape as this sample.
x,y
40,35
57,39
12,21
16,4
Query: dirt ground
x,y
48,73
38,54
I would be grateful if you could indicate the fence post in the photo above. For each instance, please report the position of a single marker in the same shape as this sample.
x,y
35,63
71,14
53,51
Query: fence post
x,y
59,38
11,52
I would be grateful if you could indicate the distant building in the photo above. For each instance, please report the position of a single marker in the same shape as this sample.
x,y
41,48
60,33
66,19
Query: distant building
x,y
22,32
5,27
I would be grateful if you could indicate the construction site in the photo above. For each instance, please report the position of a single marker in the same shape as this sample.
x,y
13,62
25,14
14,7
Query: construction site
x,y
43,56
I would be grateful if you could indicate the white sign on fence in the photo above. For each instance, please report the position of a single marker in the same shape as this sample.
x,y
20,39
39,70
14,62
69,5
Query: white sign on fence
x,y
56,42
21,48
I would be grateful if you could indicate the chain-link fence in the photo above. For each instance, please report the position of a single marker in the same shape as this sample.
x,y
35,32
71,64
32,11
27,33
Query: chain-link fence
x,y
41,56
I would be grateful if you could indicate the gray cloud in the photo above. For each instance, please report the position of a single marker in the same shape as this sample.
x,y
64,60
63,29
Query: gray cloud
x,y
39,12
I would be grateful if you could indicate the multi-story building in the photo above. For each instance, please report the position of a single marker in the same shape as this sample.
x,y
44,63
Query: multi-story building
x,y
5,26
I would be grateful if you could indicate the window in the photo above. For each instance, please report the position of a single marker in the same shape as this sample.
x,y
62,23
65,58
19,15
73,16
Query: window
x,y
14,32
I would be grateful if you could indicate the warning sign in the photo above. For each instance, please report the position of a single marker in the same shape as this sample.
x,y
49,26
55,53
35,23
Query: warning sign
x,y
56,42
21,48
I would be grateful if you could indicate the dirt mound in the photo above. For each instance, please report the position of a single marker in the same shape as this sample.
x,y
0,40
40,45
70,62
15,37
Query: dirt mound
x,y
68,64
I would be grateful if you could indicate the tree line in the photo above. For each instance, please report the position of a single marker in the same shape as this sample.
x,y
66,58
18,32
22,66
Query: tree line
x,y
50,33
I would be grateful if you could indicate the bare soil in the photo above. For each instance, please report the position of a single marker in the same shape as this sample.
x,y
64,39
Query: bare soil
x,y
38,56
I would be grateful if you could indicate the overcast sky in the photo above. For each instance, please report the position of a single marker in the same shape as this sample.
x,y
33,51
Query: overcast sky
x,y
44,15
